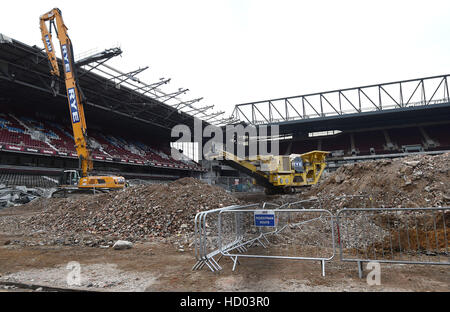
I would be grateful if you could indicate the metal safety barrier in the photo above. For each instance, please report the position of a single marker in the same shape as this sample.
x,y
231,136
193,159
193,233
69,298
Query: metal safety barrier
x,y
231,231
295,234
206,246
393,235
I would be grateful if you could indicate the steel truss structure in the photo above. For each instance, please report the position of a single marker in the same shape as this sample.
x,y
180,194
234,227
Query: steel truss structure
x,y
378,97
105,87
130,81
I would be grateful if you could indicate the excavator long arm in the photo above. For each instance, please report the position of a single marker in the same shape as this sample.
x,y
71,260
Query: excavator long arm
x,y
74,94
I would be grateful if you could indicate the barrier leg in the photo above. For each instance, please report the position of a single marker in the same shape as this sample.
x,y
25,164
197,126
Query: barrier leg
x,y
216,265
196,265
236,261
360,269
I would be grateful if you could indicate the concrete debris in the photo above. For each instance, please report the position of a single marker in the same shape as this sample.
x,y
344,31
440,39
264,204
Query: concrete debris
x,y
412,163
413,181
134,214
121,244
19,195
339,178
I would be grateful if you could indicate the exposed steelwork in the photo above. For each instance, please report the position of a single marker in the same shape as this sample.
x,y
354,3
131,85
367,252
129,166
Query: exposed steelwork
x,y
131,81
99,57
105,87
386,96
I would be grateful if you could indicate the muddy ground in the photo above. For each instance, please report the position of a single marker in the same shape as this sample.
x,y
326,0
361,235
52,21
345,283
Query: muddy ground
x,y
157,266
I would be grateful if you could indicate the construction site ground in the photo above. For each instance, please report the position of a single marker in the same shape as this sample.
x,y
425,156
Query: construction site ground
x,y
157,266
39,239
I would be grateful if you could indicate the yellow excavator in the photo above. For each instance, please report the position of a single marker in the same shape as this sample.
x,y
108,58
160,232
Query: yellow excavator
x,y
283,174
74,181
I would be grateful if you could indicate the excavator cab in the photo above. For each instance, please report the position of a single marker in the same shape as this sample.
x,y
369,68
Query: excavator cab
x,y
70,178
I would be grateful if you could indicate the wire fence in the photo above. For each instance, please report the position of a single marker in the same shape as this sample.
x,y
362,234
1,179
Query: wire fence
x,y
394,235
295,231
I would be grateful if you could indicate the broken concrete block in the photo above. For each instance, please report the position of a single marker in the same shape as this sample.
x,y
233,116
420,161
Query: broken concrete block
x,y
122,244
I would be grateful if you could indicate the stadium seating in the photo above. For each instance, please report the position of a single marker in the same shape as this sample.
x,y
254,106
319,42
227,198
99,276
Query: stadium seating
x,y
12,132
11,179
440,134
375,142
406,136
366,140
26,133
336,143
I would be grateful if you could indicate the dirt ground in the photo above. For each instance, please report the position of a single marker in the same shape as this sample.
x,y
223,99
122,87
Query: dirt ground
x,y
157,266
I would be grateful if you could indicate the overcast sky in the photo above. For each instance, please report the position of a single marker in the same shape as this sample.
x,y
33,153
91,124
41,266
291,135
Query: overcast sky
x,y
236,51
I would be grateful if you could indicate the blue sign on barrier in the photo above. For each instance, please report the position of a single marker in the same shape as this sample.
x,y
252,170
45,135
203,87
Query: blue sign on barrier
x,y
264,218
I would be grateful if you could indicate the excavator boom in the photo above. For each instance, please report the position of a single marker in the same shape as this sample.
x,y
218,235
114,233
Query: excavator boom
x,y
74,94
70,180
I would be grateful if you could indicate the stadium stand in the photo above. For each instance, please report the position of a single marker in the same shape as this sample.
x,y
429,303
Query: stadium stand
x,y
12,179
304,146
377,142
336,143
440,134
27,134
369,140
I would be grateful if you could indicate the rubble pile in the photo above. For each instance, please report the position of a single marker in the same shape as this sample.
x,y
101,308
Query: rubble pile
x,y
133,214
414,181
19,195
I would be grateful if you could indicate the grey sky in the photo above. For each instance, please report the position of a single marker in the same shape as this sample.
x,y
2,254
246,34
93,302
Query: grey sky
x,y
232,52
